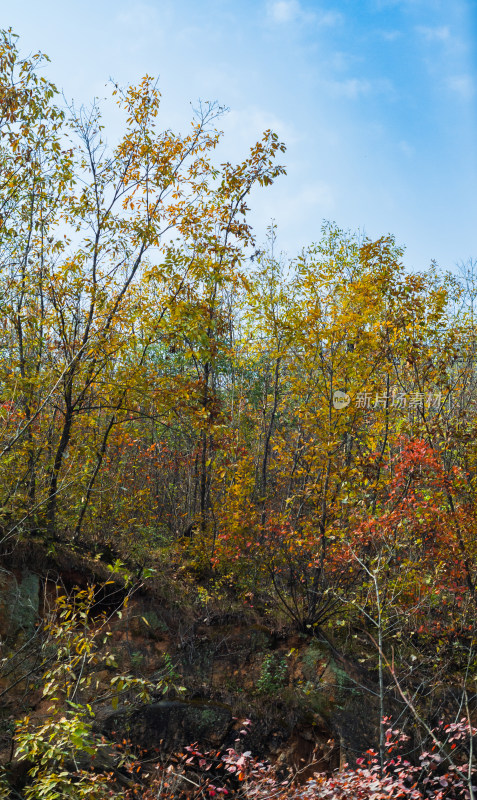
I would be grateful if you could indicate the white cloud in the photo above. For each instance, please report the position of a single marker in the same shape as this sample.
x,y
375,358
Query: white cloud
x,y
281,11
341,61
246,126
407,149
328,19
462,85
411,5
353,88
390,36
314,201
436,34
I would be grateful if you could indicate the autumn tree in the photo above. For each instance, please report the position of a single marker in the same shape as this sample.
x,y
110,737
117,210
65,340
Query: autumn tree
x,y
101,248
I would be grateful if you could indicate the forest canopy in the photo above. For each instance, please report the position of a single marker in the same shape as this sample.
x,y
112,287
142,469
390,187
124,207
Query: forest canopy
x,y
299,431
161,376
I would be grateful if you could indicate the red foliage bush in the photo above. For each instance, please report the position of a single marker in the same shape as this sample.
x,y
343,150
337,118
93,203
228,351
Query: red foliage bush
x,y
444,772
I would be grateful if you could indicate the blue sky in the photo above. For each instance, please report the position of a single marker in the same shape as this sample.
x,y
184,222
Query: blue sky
x,y
375,99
